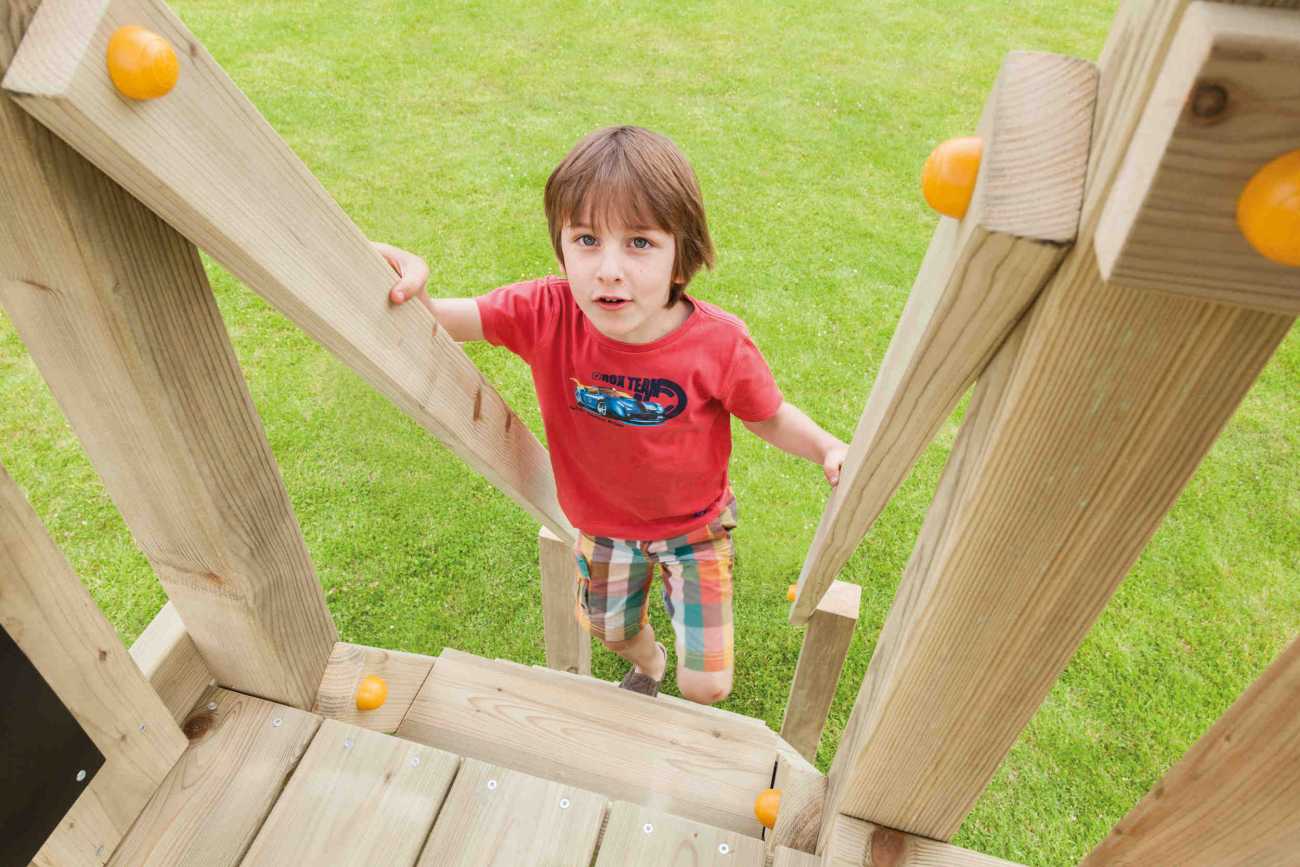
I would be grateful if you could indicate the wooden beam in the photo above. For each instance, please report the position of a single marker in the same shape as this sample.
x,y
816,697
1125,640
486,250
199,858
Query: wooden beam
x,y
821,659
978,276
48,613
568,646
1093,419
1224,105
206,161
210,807
172,664
116,311
404,674
799,817
1234,797
855,843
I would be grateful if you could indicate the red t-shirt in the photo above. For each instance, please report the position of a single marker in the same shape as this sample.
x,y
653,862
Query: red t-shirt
x,y
639,434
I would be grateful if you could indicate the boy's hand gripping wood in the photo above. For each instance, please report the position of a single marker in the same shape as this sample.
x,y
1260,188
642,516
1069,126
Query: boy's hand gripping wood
x,y
204,159
978,277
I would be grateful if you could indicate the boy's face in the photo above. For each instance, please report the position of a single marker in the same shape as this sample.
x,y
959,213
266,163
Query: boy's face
x,y
620,277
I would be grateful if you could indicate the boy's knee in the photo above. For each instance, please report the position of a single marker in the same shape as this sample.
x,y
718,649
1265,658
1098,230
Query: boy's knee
x,y
704,687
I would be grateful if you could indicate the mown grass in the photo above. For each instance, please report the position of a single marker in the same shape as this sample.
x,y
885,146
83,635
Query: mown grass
x,y
435,128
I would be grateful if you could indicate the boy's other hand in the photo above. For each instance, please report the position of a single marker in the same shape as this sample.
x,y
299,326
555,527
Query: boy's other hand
x,y
833,463
413,271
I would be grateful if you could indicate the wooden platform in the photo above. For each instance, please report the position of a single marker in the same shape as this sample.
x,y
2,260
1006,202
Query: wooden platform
x,y
493,763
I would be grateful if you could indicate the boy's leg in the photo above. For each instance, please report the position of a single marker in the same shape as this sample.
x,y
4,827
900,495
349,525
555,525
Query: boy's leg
x,y
697,594
613,588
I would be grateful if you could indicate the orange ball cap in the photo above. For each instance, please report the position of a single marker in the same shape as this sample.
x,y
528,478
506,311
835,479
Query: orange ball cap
x,y
141,63
1268,211
767,805
948,177
792,592
372,692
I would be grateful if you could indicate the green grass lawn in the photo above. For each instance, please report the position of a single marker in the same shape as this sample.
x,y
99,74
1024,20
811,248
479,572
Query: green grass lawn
x,y
435,128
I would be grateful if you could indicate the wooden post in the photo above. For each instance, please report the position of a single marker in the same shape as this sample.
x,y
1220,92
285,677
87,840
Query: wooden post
x,y
799,817
978,277
207,162
1234,797
47,612
168,659
116,311
568,646
1194,155
1093,418
821,659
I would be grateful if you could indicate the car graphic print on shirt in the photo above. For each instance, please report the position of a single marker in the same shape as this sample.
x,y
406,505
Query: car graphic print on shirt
x,y
614,405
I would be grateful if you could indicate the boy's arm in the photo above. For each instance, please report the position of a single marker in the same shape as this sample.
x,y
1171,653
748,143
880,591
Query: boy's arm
x,y
792,431
459,317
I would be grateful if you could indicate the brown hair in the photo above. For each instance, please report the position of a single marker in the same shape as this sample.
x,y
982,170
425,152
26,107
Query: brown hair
x,y
640,176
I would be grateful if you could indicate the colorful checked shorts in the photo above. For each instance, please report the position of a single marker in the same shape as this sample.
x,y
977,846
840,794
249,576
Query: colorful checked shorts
x,y
614,577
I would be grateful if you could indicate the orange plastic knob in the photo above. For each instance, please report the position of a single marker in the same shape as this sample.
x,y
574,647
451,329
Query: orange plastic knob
x,y
792,592
948,177
767,805
372,692
1268,211
141,63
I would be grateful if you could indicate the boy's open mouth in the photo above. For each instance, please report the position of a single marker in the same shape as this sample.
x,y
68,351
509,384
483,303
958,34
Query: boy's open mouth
x,y
611,302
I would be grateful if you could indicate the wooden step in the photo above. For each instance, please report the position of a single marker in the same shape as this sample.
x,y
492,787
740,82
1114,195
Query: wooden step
x,y
622,745
738,725
704,710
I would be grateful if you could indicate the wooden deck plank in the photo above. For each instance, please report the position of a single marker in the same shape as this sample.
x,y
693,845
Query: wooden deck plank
x,y
349,663
209,808
622,745
638,836
358,797
496,816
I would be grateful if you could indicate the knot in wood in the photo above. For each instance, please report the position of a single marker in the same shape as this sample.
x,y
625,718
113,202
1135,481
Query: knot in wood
x,y
197,726
1209,101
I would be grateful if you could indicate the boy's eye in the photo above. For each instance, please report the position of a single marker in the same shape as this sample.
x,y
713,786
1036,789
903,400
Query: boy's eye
x,y
641,243
586,241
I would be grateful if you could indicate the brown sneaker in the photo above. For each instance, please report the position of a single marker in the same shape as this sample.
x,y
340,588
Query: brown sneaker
x,y
639,681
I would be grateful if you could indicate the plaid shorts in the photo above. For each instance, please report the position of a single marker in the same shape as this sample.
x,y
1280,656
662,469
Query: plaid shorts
x,y
614,577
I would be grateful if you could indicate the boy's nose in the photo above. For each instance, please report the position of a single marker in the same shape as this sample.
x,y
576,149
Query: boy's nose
x,y
610,269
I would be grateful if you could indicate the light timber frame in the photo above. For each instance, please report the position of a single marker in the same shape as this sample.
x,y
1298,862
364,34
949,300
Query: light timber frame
x,y
1103,371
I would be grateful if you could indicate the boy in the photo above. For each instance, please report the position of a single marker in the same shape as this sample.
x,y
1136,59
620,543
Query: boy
x,y
637,382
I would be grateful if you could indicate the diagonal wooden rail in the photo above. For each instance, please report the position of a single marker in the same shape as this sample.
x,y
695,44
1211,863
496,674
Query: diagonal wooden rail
x,y
116,311
207,162
979,275
1090,422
